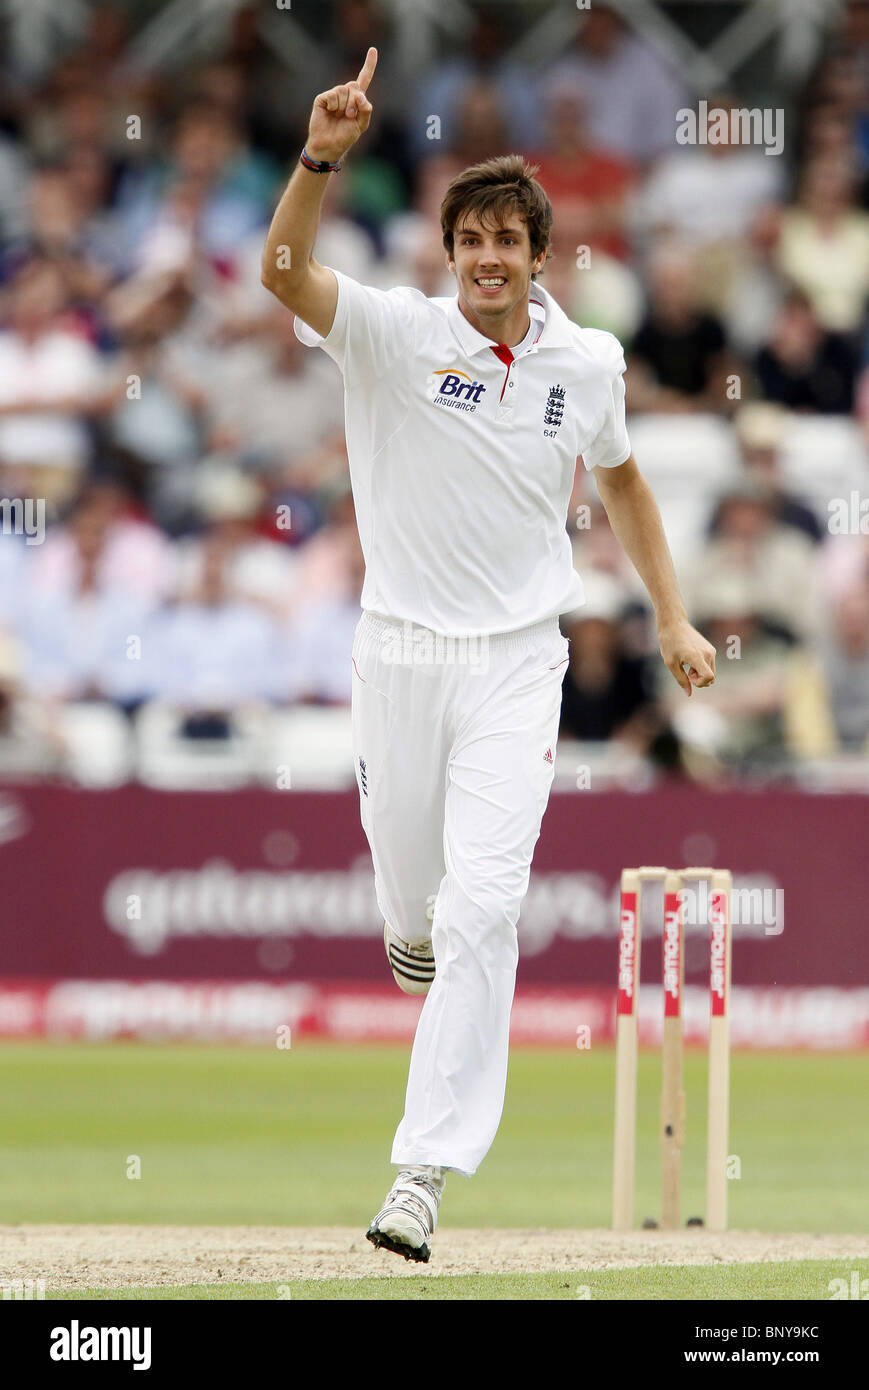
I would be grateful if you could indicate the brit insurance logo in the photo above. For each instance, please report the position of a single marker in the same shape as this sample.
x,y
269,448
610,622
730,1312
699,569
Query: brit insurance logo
x,y
554,412
455,389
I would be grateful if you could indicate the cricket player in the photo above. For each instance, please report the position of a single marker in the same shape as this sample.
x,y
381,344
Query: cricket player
x,y
465,418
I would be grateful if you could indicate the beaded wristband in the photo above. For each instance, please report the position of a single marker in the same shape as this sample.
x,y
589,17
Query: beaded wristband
x,y
321,166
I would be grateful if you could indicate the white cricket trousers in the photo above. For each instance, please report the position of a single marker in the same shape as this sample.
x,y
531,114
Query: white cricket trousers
x,y
454,745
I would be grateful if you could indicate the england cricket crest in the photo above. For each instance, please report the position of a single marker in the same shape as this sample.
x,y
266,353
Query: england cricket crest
x,y
554,413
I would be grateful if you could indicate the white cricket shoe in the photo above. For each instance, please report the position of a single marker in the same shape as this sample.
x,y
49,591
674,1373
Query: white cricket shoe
x,y
408,1218
413,966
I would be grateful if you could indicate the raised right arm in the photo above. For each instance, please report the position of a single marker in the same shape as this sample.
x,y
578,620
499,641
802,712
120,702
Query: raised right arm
x,y
338,118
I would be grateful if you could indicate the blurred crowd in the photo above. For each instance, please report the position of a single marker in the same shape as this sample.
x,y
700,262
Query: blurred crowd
x,y
200,548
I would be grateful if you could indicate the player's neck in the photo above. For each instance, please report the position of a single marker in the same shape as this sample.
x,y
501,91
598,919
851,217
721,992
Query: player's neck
x,y
501,328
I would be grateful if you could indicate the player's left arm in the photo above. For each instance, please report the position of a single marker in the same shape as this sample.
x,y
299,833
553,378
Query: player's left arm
x,y
636,522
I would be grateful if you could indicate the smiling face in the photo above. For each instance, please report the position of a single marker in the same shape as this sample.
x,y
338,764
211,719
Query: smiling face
x,y
493,265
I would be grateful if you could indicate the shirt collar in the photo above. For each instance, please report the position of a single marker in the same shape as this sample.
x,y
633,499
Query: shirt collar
x,y
556,329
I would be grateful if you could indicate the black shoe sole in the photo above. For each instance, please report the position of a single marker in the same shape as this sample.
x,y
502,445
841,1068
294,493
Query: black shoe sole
x,y
381,1241
411,968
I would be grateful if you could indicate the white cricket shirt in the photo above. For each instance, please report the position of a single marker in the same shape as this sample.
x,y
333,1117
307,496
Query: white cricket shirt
x,y
462,465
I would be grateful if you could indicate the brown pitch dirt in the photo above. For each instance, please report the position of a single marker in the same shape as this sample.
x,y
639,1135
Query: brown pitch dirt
x,y
99,1257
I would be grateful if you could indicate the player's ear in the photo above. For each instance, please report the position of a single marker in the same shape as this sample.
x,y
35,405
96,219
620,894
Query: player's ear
x,y
451,265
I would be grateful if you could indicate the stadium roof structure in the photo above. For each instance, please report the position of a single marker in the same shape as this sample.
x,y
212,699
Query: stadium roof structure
x,y
180,32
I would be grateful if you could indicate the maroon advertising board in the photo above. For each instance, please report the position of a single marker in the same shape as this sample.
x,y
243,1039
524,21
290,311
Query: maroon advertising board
x,y
139,885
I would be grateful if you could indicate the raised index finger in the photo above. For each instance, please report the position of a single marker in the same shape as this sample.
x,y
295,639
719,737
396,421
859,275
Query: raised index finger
x,y
367,71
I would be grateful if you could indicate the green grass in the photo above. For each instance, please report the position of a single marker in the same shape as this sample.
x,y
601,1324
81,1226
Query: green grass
x,y
302,1137
796,1279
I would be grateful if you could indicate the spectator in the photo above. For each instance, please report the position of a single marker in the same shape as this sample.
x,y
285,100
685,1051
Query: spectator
x,y
253,570
50,377
85,639
828,132
258,396
844,565
29,742
356,25
15,559
378,179
824,244
632,94
481,132
416,256
154,410
83,108
605,691
321,635
341,244
214,191
13,180
803,366
843,81
772,563
587,186
845,664
760,429
56,230
678,358
709,196
131,557
216,651
595,548
442,107
328,564
755,291
599,291
91,178
743,721
711,192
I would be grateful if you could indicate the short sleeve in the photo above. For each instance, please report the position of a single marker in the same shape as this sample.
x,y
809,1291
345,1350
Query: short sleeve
x,y
610,445
372,330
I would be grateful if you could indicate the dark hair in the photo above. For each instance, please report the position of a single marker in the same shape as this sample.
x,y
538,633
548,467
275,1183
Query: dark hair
x,y
494,189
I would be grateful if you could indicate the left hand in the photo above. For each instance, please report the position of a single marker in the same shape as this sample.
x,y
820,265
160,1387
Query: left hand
x,y
683,646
